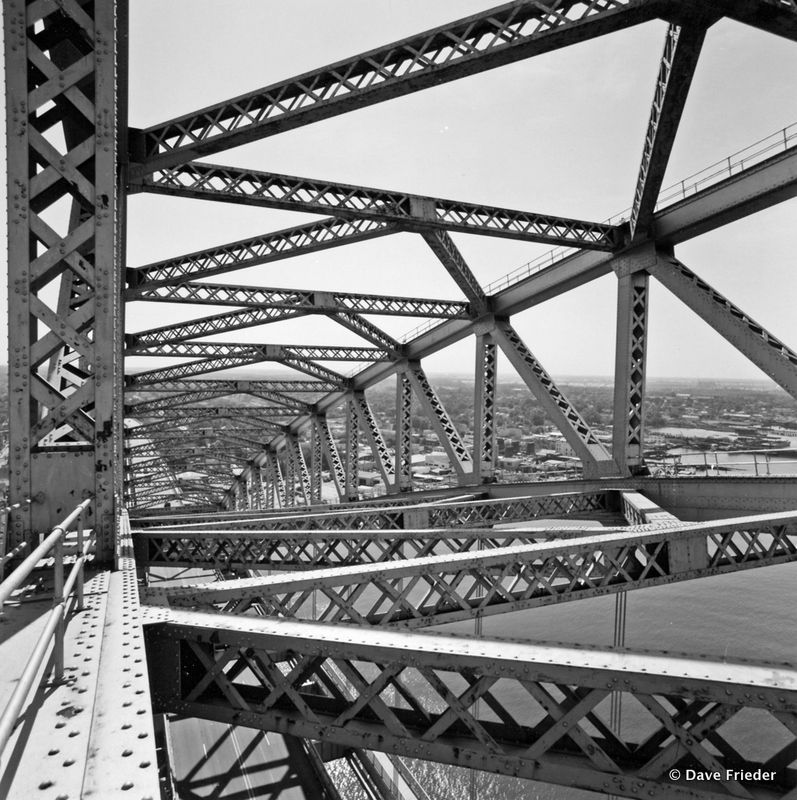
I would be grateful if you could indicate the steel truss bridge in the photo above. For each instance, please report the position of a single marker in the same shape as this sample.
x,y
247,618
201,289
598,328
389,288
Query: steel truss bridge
x,y
209,579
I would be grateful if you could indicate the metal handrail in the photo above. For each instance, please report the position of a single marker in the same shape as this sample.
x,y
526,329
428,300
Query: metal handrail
x,y
4,514
55,625
674,461
780,141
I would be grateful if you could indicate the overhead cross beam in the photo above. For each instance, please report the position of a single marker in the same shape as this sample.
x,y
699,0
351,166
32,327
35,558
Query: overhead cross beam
x,y
223,355
273,352
225,294
262,388
216,411
492,38
270,190
287,243
177,400
207,326
178,424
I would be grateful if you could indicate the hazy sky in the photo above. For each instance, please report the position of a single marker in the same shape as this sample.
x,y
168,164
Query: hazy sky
x,y
560,134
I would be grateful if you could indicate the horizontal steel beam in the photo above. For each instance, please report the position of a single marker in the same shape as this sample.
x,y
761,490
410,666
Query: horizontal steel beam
x,y
210,412
241,358
493,38
466,513
270,190
417,592
210,325
174,402
271,352
227,387
299,240
528,710
176,517
222,294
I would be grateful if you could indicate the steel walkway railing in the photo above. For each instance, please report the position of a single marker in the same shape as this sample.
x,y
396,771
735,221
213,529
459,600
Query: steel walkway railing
x,y
56,621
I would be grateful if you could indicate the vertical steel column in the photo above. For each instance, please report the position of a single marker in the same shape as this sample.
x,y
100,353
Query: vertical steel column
x,y
629,372
484,450
403,432
61,100
316,459
352,444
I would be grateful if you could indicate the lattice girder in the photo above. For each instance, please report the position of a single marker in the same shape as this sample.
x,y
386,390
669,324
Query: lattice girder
x,y
368,424
287,243
458,454
432,590
594,456
64,371
485,450
492,38
534,711
764,349
677,68
448,512
270,190
630,371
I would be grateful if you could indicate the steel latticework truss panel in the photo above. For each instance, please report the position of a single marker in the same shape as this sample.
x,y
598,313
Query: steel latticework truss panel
x,y
528,710
64,274
414,591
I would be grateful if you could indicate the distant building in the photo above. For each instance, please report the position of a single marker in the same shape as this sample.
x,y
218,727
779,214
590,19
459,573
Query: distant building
x,y
437,458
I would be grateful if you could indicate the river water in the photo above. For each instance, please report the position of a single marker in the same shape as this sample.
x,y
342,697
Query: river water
x,y
748,615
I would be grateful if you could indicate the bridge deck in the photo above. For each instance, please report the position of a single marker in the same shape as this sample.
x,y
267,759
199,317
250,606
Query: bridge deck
x,y
82,737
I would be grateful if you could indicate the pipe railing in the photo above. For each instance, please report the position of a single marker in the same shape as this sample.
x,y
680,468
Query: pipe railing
x,y
5,512
774,144
763,464
55,624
